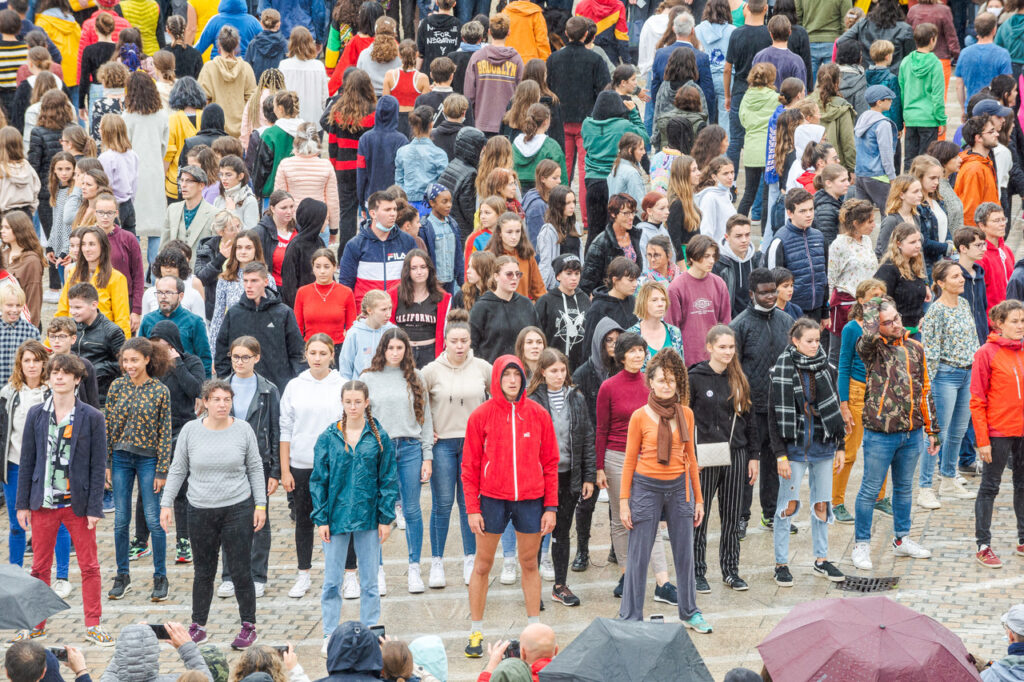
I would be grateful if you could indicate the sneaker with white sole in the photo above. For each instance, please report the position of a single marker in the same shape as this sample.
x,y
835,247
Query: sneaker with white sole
x,y
99,636
926,499
62,587
603,496
261,589
301,586
862,556
350,586
508,570
415,579
382,584
399,517
467,567
323,649
547,569
226,589
907,547
952,488
51,296
436,580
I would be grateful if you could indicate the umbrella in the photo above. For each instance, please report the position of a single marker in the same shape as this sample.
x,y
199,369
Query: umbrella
x,y
622,650
25,602
863,638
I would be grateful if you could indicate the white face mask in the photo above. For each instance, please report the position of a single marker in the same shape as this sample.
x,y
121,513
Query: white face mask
x,y
994,10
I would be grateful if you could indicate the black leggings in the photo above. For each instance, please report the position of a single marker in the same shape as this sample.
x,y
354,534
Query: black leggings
x,y
567,501
303,522
752,182
1004,451
212,528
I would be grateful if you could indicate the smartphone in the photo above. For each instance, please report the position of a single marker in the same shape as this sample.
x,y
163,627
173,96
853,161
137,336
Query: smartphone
x,y
160,631
60,652
657,618
377,630
281,650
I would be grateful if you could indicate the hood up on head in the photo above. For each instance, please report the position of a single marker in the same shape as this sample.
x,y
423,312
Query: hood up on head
x,y
386,117
353,649
500,365
469,142
310,217
168,331
602,329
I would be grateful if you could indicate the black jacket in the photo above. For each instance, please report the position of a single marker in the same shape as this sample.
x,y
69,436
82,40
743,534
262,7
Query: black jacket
x,y
713,410
601,251
209,264
100,343
736,275
212,120
760,338
184,381
826,216
582,456
577,75
495,323
460,178
268,240
604,305
563,320
44,143
273,324
444,134
264,415
297,267
461,59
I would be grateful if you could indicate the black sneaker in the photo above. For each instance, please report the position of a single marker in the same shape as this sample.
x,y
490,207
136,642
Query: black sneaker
x,y
702,585
783,577
582,560
737,583
122,584
666,594
612,559
768,522
563,595
742,529
827,570
28,546
542,605
159,588
617,592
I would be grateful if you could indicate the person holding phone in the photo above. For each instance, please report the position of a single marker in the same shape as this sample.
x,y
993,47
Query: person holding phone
x,y
138,646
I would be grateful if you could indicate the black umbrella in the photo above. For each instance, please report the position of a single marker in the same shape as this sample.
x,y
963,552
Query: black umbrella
x,y
25,602
628,650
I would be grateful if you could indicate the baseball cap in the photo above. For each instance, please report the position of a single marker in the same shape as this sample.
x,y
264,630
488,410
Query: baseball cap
x,y
992,108
877,93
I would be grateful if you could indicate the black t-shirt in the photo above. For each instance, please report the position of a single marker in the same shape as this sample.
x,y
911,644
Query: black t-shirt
x,y
437,36
744,43
418,320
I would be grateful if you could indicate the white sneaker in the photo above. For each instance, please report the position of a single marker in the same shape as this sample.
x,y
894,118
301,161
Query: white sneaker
x,y
437,580
323,649
399,517
350,587
301,586
226,589
467,567
952,487
926,499
51,296
62,588
603,495
508,570
547,569
261,589
415,580
862,556
960,479
382,585
908,547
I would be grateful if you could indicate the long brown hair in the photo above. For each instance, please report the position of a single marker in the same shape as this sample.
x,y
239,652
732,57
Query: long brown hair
x,y
483,262
103,269
417,391
45,82
527,93
385,40
405,287
497,153
679,187
55,186
739,387
548,357
12,150
523,249
38,351
828,83
537,70
784,143
555,215
909,269
55,111
356,385
232,266
24,236
356,101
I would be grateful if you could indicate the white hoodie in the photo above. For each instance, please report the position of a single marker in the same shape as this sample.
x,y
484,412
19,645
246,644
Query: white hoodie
x,y
308,407
715,204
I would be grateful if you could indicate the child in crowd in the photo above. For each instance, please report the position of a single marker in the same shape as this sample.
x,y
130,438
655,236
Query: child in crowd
x,y
784,288
441,233
418,164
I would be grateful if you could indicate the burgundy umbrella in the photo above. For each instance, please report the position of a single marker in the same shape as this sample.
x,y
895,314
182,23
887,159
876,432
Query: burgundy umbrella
x,y
863,638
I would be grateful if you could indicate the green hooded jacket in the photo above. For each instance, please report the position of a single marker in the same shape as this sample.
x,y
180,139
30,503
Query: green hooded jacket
x,y
602,130
1011,36
923,90
839,118
353,489
756,110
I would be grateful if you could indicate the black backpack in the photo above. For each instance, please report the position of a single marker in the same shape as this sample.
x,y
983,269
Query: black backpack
x,y
680,133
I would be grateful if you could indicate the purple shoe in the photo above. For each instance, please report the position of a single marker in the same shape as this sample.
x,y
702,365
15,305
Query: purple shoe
x,y
246,637
197,632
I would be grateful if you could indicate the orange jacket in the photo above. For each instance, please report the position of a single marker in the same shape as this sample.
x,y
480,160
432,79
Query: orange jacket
x,y
975,183
997,389
527,32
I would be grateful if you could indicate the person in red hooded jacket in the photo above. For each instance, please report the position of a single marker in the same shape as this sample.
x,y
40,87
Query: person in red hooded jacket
x,y
509,472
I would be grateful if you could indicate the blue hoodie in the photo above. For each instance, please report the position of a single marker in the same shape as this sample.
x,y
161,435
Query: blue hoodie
x,y
266,51
229,13
378,147
358,348
353,654
309,13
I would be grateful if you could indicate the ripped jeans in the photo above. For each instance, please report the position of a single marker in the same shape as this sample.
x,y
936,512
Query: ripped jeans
x,y
819,476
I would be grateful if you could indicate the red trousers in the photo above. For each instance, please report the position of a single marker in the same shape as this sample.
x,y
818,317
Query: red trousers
x,y
45,523
574,152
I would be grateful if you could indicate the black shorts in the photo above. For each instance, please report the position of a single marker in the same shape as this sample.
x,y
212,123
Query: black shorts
x,y
524,514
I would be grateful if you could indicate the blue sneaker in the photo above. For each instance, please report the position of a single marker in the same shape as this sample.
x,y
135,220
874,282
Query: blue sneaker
x,y
666,594
108,502
697,623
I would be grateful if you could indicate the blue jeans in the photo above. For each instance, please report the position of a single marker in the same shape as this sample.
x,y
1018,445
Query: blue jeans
x,y
736,133
152,249
16,534
951,389
410,461
819,476
766,214
723,114
445,491
967,446
125,469
465,10
882,451
368,555
821,53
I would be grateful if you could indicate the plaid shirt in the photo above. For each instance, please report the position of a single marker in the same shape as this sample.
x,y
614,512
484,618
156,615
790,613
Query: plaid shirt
x,y
12,336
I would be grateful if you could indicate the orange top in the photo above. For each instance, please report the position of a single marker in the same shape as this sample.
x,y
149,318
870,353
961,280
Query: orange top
x,y
642,453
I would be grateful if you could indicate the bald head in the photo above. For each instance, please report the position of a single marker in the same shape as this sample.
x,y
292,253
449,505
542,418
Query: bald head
x,y
537,641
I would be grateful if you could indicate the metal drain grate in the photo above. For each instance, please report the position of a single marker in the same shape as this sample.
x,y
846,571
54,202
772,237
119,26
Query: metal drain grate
x,y
857,584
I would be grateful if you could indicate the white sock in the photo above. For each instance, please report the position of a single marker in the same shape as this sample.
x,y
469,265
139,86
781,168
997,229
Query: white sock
x,y
476,626
531,620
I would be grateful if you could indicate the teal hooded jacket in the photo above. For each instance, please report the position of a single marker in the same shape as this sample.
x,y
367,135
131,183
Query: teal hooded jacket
x,y
353,489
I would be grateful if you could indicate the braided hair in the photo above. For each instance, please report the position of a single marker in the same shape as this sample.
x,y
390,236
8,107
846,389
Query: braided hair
x,y
356,385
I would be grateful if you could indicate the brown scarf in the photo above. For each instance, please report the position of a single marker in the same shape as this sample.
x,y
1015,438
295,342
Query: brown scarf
x,y
666,409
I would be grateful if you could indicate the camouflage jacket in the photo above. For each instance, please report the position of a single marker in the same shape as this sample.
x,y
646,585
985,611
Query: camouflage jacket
x,y
897,394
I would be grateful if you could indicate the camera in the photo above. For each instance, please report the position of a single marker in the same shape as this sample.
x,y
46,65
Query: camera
x,y
60,652
512,650
377,630
160,631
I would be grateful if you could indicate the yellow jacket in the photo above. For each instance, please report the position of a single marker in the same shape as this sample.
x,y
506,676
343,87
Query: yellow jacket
x,y
180,130
66,35
527,31
114,301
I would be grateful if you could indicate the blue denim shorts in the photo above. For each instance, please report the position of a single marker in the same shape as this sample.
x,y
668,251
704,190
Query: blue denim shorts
x,y
524,514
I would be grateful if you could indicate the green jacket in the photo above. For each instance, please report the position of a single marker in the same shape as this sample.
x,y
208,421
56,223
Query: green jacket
x,y
1011,36
353,489
279,144
526,156
823,19
923,89
601,140
756,109
839,118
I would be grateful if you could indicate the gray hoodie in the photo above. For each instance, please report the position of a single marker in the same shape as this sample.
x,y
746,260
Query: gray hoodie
x,y
885,147
137,658
852,85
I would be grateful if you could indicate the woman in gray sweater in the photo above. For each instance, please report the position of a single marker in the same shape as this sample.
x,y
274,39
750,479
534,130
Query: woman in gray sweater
x,y
227,503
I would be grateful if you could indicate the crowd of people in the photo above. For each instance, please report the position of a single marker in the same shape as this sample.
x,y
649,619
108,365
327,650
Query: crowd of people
x,y
537,287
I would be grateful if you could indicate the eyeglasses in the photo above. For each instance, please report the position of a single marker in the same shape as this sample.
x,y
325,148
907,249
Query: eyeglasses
x,y
895,320
59,337
166,293
105,214
513,275
242,358
626,211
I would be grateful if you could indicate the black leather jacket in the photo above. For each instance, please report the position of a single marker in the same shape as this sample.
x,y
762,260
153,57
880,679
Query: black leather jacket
x,y
264,415
100,343
582,456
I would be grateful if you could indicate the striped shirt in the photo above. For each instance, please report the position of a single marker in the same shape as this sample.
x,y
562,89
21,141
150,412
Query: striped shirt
x,y
13,53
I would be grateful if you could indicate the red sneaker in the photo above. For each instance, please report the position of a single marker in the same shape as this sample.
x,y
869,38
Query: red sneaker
x,y
987,558
1020,549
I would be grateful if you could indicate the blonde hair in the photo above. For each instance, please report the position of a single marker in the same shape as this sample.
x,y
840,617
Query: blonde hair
x,y
643,297
9,289
912,268
679,187
114,134
372,299
220,221
920,166
899,187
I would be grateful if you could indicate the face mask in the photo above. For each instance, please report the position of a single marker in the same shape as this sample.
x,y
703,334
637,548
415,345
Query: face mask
x,y
382,228
994,10
762,309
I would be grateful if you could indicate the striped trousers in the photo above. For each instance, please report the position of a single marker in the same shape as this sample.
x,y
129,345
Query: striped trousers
x,y
728,483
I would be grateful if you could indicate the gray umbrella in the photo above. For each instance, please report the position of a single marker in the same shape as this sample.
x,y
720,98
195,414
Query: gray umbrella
x,y
25,602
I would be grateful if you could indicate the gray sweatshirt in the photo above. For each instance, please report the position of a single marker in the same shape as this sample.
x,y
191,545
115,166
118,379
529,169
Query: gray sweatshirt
x,y
391,402
223,467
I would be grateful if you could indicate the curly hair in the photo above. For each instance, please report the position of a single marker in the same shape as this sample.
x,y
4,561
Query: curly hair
x,y
356,101
55,111
186,93
38,351
259,659
407,365
483,264
669,362
171,257
158,360
141,95
385,40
